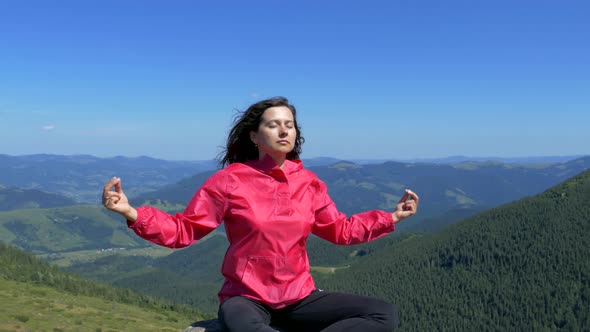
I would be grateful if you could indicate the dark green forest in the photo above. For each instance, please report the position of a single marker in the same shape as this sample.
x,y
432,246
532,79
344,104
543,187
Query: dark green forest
x,y
521,266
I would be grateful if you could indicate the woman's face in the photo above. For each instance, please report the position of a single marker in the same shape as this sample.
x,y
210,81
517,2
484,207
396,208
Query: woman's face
x,y
276,133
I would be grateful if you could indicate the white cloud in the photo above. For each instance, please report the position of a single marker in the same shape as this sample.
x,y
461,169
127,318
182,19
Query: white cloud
x,y
48,128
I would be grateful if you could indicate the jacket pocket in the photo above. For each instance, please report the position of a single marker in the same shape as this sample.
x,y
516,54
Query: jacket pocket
x,y
277,279
270,271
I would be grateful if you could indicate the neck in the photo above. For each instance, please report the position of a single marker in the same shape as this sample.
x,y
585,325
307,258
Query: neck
x,y
279,160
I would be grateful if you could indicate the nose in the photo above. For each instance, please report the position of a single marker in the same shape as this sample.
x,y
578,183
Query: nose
x,y
283,131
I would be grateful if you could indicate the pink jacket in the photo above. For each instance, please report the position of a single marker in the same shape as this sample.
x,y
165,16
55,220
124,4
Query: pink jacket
x,y
268,213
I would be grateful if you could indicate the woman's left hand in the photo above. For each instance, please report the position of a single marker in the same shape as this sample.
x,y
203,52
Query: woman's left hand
x,y
406,207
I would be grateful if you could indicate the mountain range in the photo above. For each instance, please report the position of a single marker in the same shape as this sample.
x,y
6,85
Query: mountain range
x,y
79,176
448,193
446,190
508,252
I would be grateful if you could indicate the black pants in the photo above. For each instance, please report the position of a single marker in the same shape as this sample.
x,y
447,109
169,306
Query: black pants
x,y
320,311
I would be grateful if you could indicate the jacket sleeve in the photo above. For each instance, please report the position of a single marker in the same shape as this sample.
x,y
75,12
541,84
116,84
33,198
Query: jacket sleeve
x,y
202,215
336,227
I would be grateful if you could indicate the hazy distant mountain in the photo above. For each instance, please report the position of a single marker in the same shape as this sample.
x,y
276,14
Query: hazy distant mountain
x,y
457,159
320,161
468,186
81,177
14,199
509,160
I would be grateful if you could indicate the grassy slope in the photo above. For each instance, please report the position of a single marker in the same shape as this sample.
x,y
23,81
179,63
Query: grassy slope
x,y
64,229
27,307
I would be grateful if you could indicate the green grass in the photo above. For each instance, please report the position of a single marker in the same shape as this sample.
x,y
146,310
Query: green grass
x,y
25,307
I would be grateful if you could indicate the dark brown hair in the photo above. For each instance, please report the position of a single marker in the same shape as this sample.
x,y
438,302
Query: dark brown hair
x,y
239,147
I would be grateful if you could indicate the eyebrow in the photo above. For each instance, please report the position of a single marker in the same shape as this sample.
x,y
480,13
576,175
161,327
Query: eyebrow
x,y
279,120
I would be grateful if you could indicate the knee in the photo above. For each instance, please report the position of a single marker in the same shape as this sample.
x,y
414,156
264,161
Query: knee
x,y
230,308
241,314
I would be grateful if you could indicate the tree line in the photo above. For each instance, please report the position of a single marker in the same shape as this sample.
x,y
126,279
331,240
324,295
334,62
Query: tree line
x,y
522,266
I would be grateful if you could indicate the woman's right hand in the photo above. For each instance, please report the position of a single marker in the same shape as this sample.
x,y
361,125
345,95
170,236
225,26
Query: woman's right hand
x,y
116,200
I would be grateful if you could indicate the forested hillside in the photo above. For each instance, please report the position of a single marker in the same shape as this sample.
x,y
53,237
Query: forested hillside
x,y
521,266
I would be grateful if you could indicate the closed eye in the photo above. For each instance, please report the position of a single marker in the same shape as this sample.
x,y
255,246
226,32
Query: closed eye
x,y
274,124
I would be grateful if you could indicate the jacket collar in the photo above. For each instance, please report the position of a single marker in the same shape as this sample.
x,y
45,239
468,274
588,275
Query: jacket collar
x,y
267,165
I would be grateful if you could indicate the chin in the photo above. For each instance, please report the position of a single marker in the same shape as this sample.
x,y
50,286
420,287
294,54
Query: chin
x,y
287,150
284,149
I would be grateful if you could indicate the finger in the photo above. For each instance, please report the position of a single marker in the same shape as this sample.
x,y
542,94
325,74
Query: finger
x,y
415,197
112,195
399,206
118,187
114,200
109,185
409,205
404,197
107,203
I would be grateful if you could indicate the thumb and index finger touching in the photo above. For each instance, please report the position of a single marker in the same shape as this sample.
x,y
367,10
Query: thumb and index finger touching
x,y
113,182
408,194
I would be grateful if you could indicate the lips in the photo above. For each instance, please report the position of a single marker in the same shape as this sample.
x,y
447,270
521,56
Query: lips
x,y
284,142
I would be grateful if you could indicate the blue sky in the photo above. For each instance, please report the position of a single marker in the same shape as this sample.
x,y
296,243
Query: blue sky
x,y
371,79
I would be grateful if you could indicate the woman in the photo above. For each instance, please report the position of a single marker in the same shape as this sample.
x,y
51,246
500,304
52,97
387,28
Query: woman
x,y
270,204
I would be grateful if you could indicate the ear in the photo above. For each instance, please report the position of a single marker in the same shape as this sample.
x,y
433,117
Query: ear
x,y
253,137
